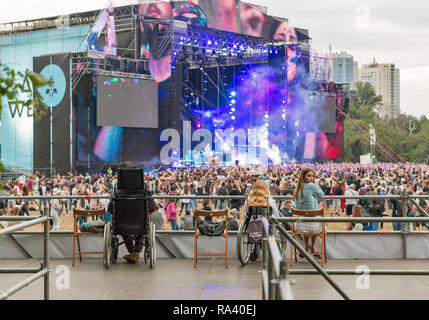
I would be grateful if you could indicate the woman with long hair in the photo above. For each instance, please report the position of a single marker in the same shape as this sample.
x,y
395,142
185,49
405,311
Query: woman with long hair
x,y
305,197
185,203
260,197
25,203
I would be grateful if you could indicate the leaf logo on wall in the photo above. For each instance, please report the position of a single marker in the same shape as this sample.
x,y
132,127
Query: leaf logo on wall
x,y
53,94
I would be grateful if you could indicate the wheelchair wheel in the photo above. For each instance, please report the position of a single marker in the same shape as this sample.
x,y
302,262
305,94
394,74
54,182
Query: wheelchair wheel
x,y
146,254
254,255
107,246
152,246
244,247
115,248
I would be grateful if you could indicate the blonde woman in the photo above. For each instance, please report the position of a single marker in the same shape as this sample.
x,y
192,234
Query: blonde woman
x,y
260,197
249,237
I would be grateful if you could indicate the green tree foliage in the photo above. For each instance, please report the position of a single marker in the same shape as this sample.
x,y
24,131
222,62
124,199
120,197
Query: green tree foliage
x,y
366,96
12,86
412,147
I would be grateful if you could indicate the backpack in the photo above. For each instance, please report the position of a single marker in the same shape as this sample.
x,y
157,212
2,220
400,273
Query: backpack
x,y
212,229
94,226
371,227
254,229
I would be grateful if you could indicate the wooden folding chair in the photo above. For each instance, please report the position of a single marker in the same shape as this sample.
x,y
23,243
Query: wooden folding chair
x,y
221,213
77,232
322,234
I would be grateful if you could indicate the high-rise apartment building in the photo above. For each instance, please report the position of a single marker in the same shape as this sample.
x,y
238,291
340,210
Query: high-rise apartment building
x,y
385,79
343,68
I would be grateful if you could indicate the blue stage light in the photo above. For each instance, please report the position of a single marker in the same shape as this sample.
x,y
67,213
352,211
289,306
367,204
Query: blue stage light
x,y
209,42
233,93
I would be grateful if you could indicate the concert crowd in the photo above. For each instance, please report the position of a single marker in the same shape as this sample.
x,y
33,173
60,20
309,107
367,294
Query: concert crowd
x,y
332,178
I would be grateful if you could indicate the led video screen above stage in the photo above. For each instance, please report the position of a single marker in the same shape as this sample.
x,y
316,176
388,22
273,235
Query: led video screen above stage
x,y
126,102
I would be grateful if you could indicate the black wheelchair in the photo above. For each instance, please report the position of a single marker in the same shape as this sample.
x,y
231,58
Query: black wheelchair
x,y
247,246
129,217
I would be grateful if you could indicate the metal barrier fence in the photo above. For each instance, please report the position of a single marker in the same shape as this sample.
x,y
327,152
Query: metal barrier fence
x,y
275,271
275,283
272,258
43,271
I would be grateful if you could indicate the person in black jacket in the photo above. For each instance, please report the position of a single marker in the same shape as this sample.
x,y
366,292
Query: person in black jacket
x,y
375,211
134,243
235,203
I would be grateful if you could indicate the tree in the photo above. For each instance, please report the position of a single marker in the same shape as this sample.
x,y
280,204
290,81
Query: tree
x,y
396,133
366,96
12,86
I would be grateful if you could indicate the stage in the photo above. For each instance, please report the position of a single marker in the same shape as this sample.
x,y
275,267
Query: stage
x,y
176,279
265,88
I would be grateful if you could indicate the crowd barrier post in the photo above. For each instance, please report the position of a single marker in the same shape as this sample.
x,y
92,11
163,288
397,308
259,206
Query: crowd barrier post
x,y
43,271
309,258
275,283
405,198
46,252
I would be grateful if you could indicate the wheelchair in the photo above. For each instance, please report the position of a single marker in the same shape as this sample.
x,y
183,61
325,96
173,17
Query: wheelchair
x,y
129,217
247,248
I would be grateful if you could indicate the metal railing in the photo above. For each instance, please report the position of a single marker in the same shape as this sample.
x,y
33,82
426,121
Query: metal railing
x,y
275,282
275,271
43,271
275,223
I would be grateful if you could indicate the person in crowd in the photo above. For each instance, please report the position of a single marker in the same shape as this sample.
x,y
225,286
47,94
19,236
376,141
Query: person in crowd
x,y
82,204
337,191
171,213
42,192
306,197
187,222
185,203
55,208
235,203
375,211
158,217
286,211
357,212
257,198
93,203
206,207
233,224
350,203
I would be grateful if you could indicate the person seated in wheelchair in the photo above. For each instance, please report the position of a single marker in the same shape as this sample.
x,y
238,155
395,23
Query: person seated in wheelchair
x,y
306,196
259,198
134,243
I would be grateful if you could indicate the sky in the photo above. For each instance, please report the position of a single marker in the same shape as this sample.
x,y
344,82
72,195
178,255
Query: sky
x,y
391,31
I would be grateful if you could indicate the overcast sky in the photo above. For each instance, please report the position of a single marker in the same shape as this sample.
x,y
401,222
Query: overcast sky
x,y
391,31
